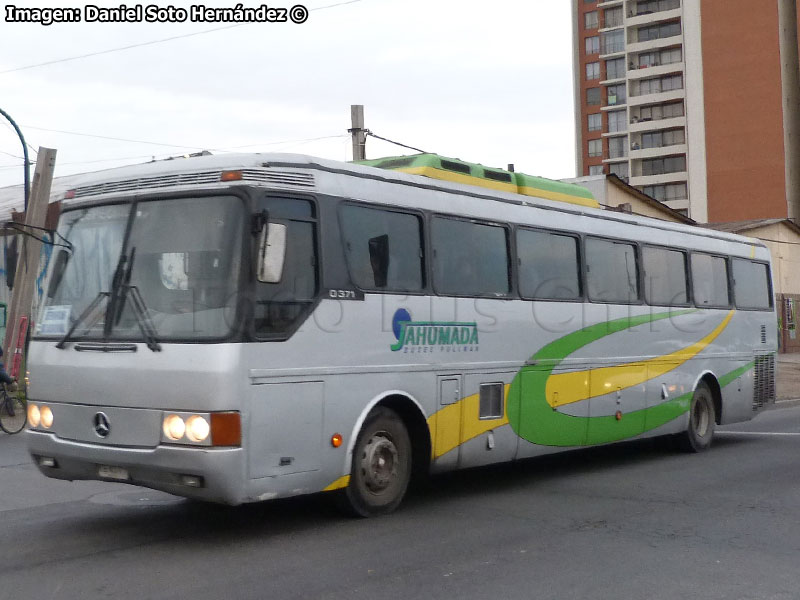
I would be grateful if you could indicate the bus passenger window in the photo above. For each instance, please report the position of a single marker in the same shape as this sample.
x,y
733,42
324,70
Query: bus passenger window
x,y
548,265
470,259
751,285
383,248
710,281
664,276
611,271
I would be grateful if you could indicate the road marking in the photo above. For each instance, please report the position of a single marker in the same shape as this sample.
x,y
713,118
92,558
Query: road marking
x,y
774,433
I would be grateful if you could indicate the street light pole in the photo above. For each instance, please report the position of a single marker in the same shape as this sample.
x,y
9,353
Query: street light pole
x,y
24,154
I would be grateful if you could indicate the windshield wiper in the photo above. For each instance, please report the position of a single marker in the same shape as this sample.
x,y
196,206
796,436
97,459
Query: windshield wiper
x,y
81,318
122,286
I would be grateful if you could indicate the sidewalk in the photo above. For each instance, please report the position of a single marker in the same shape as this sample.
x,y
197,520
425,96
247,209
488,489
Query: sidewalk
x,y
788,381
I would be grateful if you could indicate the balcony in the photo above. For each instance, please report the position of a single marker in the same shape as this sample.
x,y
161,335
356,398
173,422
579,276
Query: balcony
x,y
654,70
652,17
638,153
642,180
648,124
657,97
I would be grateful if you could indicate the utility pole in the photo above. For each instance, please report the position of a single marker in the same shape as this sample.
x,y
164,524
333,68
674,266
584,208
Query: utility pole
x,y
28,259
358,133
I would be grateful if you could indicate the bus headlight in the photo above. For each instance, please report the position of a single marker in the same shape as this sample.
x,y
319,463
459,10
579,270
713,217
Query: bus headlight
x,y
197,429
221,429
47,417
34,415
174,427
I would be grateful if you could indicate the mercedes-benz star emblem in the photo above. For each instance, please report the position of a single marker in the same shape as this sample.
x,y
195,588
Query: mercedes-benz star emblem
x,y
101,425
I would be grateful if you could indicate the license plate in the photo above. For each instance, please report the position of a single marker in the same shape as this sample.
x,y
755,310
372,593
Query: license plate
x,y
109,472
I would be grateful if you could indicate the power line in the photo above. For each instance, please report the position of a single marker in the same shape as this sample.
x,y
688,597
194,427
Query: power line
x,y
228,149
116,139
150,43
369,133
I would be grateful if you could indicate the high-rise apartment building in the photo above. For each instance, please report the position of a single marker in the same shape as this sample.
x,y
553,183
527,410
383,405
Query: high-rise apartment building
x,y
694,102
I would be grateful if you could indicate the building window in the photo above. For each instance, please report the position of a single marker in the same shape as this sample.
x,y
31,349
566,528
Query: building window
x,y
657,32
618,147
616,94
593,96
617,121
613,41
668,164
661,111
651,6
667,192
612,17
661,84
667,137
592,71
595,148
615,69
592,45
619,169
590,19
595,169
595,122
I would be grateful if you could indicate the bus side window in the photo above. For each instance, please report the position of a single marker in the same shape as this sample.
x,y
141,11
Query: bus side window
x,y
710,281
383,248
611,271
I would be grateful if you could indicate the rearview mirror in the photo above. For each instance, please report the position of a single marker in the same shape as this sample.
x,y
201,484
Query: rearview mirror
x,y
271,253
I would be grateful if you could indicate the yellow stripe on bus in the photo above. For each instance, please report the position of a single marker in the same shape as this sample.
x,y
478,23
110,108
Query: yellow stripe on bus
x,y
560,197
460,178
340,483
568,388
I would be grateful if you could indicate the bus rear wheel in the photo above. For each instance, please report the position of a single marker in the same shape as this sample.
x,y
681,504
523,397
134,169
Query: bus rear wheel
x,y
381,468
702,419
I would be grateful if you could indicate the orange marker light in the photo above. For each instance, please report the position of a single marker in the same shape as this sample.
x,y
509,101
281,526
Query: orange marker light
x,y
231,176
619,416
226,429
336,440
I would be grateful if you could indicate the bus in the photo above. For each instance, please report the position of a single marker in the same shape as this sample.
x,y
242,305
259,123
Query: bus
x,y
239,328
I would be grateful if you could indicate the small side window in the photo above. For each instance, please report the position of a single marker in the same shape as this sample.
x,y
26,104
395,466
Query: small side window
x,y
491,401
665,277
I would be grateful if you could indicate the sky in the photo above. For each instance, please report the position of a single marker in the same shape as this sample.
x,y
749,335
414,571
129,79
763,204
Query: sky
x,y
484,82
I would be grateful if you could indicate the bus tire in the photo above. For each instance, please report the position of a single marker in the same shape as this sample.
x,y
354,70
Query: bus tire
x,y
381,468
702,419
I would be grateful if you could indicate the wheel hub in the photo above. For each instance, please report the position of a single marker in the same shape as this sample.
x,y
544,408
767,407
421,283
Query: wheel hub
x,y
379,462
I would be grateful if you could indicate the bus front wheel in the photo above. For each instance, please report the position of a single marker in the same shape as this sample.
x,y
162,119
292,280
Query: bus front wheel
x,y
702,419
381,467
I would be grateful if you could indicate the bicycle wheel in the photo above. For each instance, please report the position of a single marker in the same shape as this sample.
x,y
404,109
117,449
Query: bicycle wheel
x,y
13,414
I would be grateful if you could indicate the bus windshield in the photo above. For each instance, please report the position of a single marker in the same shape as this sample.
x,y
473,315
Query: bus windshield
x,y
178,271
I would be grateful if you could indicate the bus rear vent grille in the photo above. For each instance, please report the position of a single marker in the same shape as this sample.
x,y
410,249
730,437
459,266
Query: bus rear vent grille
x,y
764,380
763,334
290,179
147,183
280,179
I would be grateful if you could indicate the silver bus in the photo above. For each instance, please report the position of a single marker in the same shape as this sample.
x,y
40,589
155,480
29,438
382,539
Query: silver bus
x,y
246,327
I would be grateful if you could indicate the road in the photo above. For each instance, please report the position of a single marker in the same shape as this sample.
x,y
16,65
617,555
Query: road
x,y
635,520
